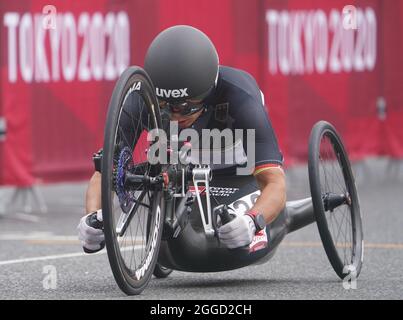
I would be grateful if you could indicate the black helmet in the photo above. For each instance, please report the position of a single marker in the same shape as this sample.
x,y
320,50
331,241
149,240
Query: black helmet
x,y
182,63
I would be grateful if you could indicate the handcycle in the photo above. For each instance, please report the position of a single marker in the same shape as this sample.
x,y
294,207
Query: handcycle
x,y
164,217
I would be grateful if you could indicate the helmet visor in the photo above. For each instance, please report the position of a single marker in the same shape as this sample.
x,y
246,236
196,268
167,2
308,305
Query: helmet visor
x,y
186,108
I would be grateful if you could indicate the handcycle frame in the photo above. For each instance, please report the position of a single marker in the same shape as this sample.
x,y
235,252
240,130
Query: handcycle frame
x,y
184,234
196,247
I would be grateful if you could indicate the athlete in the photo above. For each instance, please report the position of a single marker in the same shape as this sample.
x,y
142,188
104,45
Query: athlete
x,y
199,93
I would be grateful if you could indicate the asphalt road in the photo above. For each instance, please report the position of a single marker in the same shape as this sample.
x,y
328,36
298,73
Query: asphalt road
x,y
40,257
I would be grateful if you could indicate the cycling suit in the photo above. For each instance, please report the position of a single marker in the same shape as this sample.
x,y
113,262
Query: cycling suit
x,y
238,103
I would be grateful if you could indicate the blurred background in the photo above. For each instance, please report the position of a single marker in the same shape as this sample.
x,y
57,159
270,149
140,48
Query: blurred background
x,y
339,61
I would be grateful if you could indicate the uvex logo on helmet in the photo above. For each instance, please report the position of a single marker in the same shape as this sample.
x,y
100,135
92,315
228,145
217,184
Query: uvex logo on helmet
x,y
176,93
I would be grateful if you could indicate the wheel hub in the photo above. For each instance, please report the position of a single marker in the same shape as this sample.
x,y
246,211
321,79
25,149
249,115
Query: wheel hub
x,y
124,164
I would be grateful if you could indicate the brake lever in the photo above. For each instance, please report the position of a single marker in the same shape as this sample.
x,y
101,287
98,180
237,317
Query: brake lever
x,y
225,215
223,211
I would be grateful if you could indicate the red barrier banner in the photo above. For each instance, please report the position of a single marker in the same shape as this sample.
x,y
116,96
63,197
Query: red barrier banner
x,y
59,65
324,70
314,60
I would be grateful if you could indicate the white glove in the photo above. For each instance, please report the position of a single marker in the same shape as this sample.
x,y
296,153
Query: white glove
x,y
92,239
237,233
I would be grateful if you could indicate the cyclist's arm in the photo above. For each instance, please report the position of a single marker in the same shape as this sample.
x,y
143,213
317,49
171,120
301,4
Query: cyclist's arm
x,y
273,193
93,195
268,158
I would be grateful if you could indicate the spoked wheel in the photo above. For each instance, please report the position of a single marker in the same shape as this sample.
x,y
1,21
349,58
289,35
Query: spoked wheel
x,y
132,201
335,200
161,272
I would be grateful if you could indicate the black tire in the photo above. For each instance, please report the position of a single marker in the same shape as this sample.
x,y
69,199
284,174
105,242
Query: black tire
x,y
133,90
335,198
161,272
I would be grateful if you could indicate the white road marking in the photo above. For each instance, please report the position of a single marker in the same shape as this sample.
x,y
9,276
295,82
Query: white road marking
x,y
59,256
45,258
48,236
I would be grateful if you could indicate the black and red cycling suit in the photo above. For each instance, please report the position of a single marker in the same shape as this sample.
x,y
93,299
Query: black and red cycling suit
x,y
238,103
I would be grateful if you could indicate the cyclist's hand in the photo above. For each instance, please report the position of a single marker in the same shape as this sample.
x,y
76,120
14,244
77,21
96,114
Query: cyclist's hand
x,y
237,233
90,232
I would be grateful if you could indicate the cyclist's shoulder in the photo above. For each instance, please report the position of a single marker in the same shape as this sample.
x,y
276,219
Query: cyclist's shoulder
x,y
238,85
239,78
239,88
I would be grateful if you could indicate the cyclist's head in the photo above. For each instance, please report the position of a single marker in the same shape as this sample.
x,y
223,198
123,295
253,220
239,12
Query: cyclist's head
x,y
183,65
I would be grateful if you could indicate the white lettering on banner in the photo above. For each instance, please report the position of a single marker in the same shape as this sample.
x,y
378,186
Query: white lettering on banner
x,y
304,42
271,19
97,39
284,43
308,37
320,40
84,72
26,47
41,70
370,53
335,64
361,37
10,21
69,47
296,51
87,47
110,70
55,38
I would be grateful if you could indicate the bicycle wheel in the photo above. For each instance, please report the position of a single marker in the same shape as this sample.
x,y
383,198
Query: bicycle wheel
x,y
161,272
335,200
133,212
